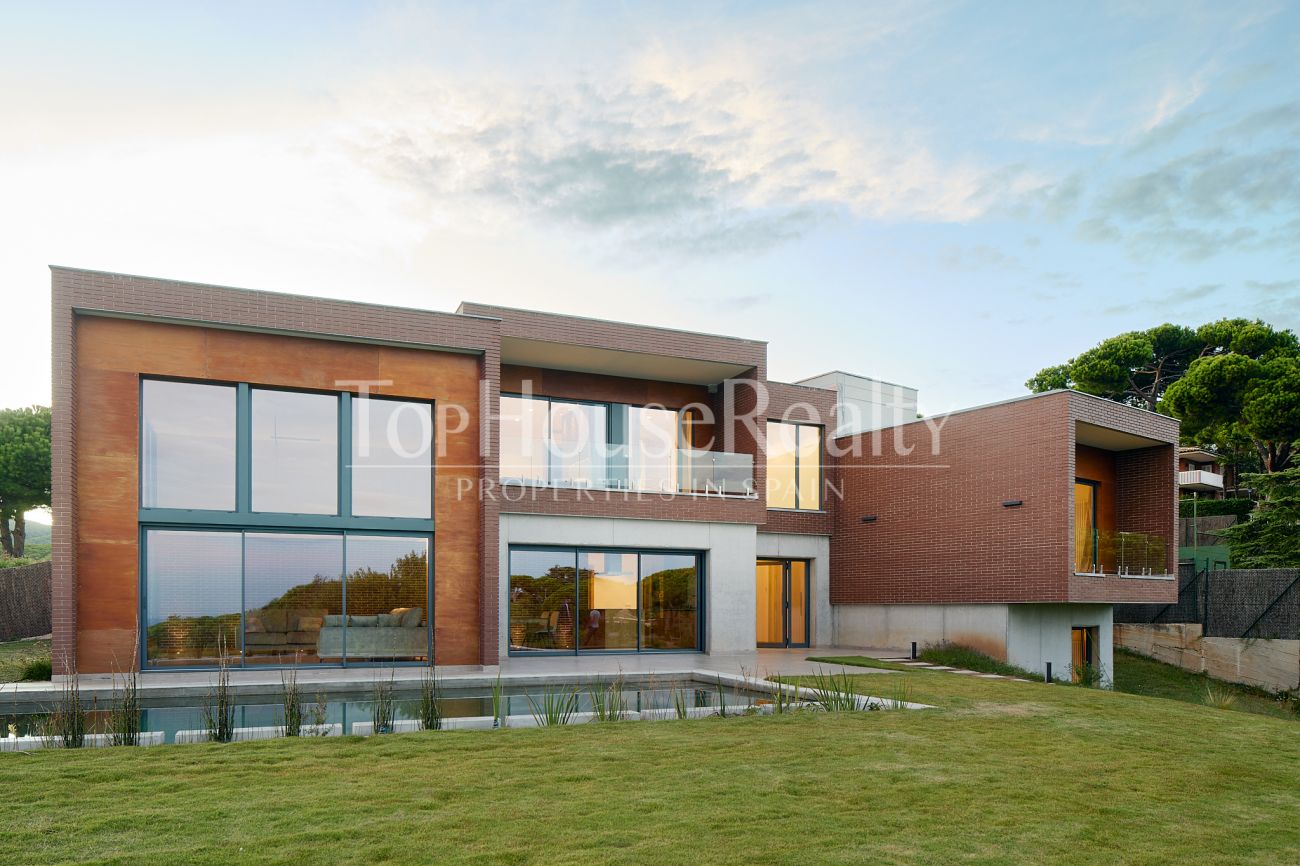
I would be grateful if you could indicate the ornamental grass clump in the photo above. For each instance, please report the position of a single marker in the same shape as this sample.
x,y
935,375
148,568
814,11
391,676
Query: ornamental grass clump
x,y
66,724
291,701
834,694
382,706
557,707
219,708
430,710
124,714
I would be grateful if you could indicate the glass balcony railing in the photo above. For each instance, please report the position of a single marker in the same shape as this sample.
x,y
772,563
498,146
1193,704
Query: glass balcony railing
x,y
683,470
717,472
1132,554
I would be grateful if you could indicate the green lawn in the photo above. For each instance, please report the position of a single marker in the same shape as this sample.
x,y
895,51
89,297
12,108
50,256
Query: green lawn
x,y
1001,772
14,656
1139,675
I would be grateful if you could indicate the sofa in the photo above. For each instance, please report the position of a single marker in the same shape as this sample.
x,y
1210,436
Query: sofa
x,y
282,630
398,634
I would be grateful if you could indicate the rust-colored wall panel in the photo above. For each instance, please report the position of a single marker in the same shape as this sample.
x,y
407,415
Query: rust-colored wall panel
x,y
1093,464
111,355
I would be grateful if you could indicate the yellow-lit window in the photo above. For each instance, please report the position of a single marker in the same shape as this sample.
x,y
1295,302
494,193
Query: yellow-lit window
x,y
794,470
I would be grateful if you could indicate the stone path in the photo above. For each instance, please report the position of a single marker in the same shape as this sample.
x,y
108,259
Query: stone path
x,y
911,663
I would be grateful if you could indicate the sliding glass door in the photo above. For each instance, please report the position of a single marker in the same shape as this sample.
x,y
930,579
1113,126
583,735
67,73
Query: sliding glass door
x,y
571,600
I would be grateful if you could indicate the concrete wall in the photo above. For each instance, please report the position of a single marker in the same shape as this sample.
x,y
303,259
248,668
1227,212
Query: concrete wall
x,y
817,549
1269,664
895,626
729,563
1026,635
1039,633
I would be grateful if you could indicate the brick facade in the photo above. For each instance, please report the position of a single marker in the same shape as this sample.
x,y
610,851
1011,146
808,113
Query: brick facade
x,y
941,532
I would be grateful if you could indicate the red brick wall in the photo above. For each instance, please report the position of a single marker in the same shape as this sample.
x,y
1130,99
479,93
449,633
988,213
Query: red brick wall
x,y
942,534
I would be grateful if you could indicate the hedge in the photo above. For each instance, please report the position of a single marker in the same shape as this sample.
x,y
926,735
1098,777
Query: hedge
x,y
1212,507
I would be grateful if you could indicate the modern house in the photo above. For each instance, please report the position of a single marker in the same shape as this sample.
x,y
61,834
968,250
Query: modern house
x,y
286,480
1201,473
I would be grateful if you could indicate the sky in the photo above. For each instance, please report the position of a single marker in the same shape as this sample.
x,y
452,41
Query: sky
x,y
944,195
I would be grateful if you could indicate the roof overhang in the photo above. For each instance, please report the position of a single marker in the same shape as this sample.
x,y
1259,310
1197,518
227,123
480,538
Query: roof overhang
x,y
616,362
1110,439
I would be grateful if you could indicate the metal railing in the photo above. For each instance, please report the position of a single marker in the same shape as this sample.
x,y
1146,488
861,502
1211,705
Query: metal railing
x,y
1134,554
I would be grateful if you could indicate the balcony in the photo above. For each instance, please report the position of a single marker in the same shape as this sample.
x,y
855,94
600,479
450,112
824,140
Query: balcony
x,y
1128,554
689,471
1200,480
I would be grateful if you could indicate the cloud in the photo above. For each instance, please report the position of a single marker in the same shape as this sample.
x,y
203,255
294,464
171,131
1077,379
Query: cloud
x,y
1170,301
655,157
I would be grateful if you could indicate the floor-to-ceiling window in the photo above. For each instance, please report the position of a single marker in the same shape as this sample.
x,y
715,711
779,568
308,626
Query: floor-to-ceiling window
x,y
564,599
568,443
794,466
284,527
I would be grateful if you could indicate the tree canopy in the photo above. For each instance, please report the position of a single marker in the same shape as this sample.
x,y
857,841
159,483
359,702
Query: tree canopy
x,y
24,470
1271,537
1234,383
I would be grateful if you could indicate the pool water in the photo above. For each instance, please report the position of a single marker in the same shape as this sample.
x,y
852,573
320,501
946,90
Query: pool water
x,y
255,711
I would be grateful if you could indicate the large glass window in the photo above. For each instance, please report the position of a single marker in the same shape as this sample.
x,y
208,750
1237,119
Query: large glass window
x,y
306,597
192,597
524,425
670,589
794,473
607,612
574,600
387,598
578,444
318,523
292,584
392,453
187,446
295,452
543,603
652,448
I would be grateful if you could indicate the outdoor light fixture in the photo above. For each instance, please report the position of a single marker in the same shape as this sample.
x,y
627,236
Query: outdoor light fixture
x,y
1012,503
870,518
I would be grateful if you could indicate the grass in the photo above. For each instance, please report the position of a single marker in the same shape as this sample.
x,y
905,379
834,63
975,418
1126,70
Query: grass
x,y
24,660
1139,675
1001,772
958,656
860,661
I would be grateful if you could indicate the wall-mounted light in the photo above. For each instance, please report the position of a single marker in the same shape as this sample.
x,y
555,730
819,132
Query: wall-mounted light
x,y
1012,503
870,518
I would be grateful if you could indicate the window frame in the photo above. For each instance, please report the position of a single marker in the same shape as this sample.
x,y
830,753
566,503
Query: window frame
x,y
798,486
701,577
242,663
243,519
243,515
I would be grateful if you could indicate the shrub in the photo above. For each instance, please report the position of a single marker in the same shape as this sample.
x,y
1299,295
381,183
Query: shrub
x,y
36,669
1216,507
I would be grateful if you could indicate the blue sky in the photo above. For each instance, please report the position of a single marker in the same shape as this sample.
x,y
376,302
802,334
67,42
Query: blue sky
x,y
944,195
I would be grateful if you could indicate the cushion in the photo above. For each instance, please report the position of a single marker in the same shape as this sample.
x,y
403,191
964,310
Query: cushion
x,y
334,620
310,623
273,619
303,637
412,617
387,620
363,621
277,638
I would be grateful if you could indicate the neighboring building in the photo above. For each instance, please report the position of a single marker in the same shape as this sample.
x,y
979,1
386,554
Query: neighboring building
x,y
297,480
1201,473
